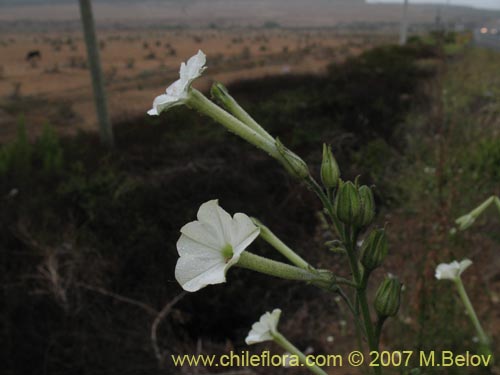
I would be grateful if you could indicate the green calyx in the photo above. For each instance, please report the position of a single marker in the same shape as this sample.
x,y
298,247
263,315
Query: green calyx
x,y
387,298
348,203
292,162
374,249
330,172
367,205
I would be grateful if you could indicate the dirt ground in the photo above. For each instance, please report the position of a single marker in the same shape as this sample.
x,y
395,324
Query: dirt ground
x,y
139,64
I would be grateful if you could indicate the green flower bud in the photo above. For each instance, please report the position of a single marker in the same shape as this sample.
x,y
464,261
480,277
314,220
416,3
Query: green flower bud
x,y
347,203
368,205
219,92
330,171
374,249
388,297
292,162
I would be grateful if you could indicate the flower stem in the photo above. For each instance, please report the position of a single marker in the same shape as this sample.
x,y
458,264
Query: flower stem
x,y
361,281
327,203
237,111
202,104
279,245
483,206
284,271
483,339
289,347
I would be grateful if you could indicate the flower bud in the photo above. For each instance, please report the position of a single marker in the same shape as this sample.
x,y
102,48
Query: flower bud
x,y
219,92
292,162
367,204
347,203
374,249
330,172
388,297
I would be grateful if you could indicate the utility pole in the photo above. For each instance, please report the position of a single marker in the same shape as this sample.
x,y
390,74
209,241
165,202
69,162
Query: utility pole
x,y
105,129
447,24
403,35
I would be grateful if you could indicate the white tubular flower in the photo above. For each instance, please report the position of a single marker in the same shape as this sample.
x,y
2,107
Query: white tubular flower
x,y
209,246
261,330
453,270
177,93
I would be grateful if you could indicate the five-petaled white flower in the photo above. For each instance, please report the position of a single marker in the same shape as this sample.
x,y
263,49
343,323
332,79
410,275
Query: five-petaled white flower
x,y
453,270
177,92
261,330
209,246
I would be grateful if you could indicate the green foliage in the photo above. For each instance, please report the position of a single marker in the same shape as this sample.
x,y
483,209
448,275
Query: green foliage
x,y
16,157
48,151
22,159
483,163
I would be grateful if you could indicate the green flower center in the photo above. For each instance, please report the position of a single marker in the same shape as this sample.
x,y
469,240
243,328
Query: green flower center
x,y
227,252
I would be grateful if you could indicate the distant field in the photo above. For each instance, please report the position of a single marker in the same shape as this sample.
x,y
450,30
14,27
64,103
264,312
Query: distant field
x,y
142,44
139,64
200,13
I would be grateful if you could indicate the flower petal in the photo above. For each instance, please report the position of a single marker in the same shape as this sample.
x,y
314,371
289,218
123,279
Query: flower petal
x,y
194,273
447,271
210,213
453,270
261,330
193,68
162,103
243,232
464,264
189,246
178,89
204,233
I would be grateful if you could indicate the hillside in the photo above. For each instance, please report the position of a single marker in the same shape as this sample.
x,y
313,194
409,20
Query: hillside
x,y
299,13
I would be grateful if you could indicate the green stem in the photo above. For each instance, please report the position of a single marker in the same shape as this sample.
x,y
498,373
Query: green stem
x,y
378,328
202,104
483,206
284,271
497,202
361,281
289,347
483,339
237,111
279,245
327,203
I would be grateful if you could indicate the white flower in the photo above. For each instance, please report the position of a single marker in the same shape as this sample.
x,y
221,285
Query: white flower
x,y
209,246
177,92
453,270
261,330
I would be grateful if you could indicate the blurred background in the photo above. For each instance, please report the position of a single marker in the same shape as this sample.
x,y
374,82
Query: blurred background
x,y
408,96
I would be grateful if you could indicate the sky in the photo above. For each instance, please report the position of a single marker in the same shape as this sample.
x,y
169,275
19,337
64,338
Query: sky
x,y
489,4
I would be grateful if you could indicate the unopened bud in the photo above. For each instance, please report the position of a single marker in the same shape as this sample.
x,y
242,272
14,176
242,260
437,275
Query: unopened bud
x,y
367,205
292,162
374,249
330,171
388,297
219,92
347,203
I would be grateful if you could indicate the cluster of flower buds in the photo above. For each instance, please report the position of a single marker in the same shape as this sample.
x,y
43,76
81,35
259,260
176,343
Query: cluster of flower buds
x,y
354,205
387,298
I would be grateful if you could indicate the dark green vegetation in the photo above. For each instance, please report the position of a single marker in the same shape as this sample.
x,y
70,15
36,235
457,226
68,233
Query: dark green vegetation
x,y
88,237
